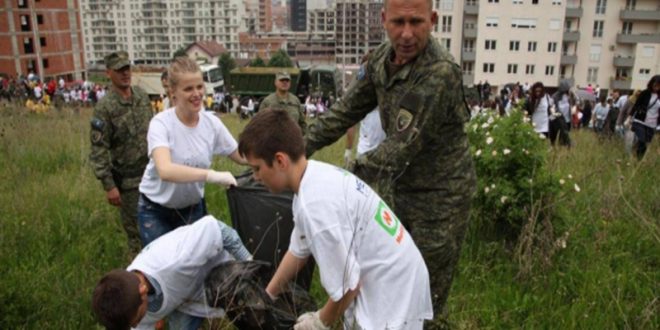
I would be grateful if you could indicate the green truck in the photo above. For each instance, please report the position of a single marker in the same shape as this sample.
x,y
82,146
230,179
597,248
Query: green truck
x,y
258,82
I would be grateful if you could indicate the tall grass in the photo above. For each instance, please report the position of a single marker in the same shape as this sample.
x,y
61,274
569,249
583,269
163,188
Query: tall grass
x,y
58,236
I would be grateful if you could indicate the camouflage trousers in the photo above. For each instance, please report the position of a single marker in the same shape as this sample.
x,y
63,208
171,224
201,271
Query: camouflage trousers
x,y
437,224
128,212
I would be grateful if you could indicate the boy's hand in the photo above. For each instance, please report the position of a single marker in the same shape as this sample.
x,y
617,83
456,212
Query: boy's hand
x,y
310,321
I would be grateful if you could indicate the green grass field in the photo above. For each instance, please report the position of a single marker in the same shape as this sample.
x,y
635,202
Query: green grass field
x,y
59,236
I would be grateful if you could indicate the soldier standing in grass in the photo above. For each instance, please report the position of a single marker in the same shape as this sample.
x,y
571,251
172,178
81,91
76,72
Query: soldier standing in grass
x,y
282,99
119,142
423,167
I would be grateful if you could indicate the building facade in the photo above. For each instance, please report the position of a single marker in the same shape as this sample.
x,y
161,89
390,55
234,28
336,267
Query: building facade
x,y
298,15
614,44
358,30
41,37
152,30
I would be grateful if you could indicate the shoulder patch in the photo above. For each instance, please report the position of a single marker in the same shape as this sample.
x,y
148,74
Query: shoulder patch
x,y
403,120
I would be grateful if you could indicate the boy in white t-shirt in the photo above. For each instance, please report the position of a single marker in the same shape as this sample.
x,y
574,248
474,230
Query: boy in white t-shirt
x,y
167,279
369,265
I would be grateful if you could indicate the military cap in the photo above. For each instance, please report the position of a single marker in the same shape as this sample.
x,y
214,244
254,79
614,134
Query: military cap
x,y
282,75
117,60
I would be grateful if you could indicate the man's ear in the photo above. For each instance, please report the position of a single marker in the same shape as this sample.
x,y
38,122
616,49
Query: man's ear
x,y
281,161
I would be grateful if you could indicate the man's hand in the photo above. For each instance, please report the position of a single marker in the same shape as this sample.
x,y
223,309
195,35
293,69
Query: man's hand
x,y
222,178
310,321
113,196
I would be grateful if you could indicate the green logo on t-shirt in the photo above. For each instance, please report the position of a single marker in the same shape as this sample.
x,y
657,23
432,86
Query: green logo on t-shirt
x,y
386,219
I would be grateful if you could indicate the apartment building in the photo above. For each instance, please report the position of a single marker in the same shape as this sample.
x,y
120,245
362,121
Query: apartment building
x,y
152,30
42,37
610,43
298,15
358,30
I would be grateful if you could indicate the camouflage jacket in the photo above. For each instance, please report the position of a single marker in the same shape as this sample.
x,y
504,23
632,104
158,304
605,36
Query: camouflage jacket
x,y
423,114
291,104
119,139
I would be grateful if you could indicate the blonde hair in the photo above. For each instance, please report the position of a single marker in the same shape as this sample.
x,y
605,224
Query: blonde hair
x,y
179,66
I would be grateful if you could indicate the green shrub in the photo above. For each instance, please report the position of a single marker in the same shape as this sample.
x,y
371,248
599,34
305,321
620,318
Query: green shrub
x,y
517,190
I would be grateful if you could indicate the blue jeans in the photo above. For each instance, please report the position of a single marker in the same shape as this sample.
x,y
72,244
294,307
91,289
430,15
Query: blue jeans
x,y
155,220
180,321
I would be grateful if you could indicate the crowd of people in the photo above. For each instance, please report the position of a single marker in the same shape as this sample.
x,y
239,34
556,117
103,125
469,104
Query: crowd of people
x,y
32,91
571,108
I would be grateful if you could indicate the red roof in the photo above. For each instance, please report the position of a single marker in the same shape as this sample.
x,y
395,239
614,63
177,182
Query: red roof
x,y
210,47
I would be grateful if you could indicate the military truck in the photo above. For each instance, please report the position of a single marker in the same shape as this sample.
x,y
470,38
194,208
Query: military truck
x,y
257,82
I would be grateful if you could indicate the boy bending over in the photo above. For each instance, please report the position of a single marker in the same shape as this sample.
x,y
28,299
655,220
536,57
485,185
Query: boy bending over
x,y
369,265
167,279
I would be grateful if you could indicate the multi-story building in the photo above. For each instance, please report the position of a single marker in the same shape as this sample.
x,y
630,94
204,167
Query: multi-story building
x,y
152,30
358,29
42,37
610,43
298,15
265,16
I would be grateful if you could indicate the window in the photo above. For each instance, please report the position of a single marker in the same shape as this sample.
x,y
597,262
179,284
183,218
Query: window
x,y
552,47
517,2
630,4
523,23
42,41
535,2
492,21
25,23
446,42
45,63
514,45
648,51
489,67
531,46
512,68
493,1
600,6
27,46
627,28
468,45
555,24
468,67
22,4
556,2
645,72
529,69
447,5
592,74
491,44
446,23
549,70
598,29
594,53
40,19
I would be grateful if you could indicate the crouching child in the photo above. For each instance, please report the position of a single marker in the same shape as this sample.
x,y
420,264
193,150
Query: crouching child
x,y
369,265
166,280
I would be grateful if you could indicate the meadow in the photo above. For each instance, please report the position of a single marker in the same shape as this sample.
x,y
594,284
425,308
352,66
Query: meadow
x,y
59,235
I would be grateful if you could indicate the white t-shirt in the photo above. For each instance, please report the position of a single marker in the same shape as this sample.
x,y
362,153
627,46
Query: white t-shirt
x,y
37,92
355,238
651,119
189,146
180,261
540,115
371,132
601,111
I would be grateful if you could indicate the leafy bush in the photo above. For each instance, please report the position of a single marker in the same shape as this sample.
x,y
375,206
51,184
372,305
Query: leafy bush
x,y
516,190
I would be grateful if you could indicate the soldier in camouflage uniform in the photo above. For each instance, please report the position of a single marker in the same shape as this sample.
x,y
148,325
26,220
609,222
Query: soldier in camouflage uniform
x,y
119,142
423,167
282,99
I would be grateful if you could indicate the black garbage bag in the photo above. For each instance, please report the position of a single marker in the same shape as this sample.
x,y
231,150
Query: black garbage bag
x,y
238,288
264,222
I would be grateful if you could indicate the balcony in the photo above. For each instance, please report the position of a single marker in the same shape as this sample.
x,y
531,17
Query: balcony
x,y
640,15
470,33
468,55
624,62
651,38
471,9
573,12
568,59
571,36
468,79
620,83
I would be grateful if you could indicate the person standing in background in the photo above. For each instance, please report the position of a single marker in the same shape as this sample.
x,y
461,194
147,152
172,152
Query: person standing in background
x,y
118,134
